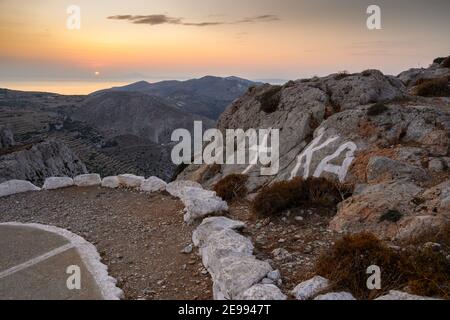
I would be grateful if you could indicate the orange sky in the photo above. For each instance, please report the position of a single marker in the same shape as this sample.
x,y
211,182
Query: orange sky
x,y
299,39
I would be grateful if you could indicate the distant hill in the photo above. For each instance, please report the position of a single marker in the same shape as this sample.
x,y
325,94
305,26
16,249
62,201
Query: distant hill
x,y
134,113
208,96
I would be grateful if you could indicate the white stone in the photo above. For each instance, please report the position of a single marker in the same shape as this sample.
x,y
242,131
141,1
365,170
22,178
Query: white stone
x,y
398,295
224,244
16,186
239,274
336,296
267,292
274,275
176,188
308,289
111,182
87,180
130,180
200,203
212,225
153,184
57,183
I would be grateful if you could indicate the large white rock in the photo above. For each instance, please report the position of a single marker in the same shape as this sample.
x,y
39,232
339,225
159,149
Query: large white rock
x,y
57,183
177,188
238,274
111,182
16,186
224,244
130,180
209,226
263,292
398,295
87,180
336,296
308,289
153,184
199,203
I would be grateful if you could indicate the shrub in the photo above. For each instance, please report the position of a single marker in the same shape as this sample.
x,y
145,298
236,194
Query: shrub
x,y
424,271
439,60
270,99
391,216
346,263
341,75
434,88
429,273
285,195
231,187
446,63
377,109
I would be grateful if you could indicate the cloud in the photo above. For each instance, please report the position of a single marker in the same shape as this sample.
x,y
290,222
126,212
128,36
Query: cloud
x,y
158,19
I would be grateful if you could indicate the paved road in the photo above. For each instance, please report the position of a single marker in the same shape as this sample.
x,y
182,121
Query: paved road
x,y
34,265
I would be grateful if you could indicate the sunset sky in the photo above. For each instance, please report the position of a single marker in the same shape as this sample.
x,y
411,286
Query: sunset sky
x,y
256,39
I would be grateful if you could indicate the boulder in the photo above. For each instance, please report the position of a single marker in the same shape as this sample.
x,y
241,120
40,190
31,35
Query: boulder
x,y
239,274
308,289
370,210
153,184
436,165
224,244
212,225
87,180
200,203
177,188
261,292
336,296
16,186
382,168
398,295
130,181
111,182
57,183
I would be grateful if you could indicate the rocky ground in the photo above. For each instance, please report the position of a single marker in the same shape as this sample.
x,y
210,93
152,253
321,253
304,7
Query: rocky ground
x,y
291,243
139,236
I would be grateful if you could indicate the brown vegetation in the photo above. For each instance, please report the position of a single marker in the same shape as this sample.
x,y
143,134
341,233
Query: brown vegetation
x,y
346,263
434,88
285,195
232,187
421,269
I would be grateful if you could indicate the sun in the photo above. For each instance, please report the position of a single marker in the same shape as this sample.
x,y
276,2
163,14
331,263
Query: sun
x,y
97,73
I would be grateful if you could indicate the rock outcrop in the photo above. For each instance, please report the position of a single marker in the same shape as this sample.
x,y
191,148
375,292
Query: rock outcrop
x,y
367,129
40,161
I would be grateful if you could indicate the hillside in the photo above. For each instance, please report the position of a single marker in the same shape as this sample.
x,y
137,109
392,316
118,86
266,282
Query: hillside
x,y
207,96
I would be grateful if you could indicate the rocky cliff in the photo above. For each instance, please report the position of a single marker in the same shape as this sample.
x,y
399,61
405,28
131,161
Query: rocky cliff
x,y
36,162
388,137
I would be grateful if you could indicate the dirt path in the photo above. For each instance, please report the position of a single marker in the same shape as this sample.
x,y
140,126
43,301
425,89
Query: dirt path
x,y
139,236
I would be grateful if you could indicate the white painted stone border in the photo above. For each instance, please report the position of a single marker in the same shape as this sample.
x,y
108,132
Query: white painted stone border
x,y
89,255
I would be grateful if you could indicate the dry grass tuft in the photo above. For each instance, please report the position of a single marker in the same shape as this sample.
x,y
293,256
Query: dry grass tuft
x,y
285,195
232,187
434,88
421,269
